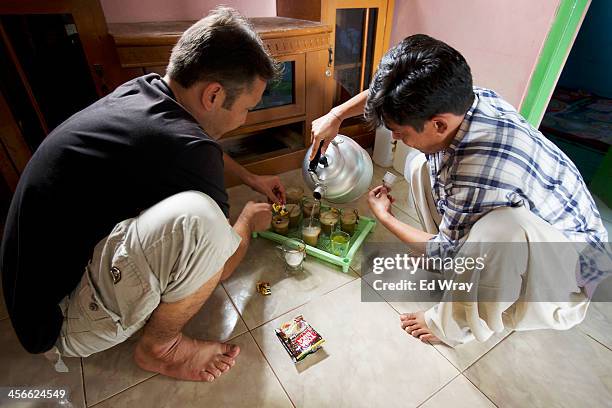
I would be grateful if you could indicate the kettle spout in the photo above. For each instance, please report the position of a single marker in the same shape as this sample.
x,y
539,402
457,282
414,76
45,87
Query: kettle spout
x,y
319,187
318,192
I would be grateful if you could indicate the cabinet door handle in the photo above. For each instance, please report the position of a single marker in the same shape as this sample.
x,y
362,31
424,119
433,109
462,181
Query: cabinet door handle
x,y
330,61
99,70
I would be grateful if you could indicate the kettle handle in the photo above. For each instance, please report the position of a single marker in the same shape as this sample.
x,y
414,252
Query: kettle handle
x,y
315,162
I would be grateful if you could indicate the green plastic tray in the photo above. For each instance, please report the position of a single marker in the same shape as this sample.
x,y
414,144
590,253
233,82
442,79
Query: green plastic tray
x,y
323,248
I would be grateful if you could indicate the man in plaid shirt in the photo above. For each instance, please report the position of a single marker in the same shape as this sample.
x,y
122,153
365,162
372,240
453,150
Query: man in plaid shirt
x,y
486,176
497,159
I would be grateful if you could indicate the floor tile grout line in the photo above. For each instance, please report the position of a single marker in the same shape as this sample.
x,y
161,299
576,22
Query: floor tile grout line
x,y
236,309
438,351
438,390
156,374
125,389
488,351
446,358
431,344
272,369
478,388
442,354
478,358
341,286
274,318
233,337
594,339
395,206
300,305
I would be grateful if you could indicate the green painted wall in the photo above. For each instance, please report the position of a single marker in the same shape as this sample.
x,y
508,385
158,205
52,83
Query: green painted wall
x,y
556,48
550,64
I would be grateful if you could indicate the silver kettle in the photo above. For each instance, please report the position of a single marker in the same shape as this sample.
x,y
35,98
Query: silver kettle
x,y
342,174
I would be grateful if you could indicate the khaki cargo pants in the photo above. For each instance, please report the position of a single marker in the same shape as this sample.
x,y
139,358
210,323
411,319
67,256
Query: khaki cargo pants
x,y
163,255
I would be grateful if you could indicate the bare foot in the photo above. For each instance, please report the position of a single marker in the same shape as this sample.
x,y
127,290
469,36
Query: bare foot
x,y
414,324
187,359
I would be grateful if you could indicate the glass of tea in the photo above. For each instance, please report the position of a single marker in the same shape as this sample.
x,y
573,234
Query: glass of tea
x,y
280,224
329,219
348,220
294,194
311,205
311,232
339,243
293,212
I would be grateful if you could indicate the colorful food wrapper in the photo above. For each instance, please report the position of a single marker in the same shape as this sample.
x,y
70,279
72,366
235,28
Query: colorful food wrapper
x,y
299,338
280,209
264,288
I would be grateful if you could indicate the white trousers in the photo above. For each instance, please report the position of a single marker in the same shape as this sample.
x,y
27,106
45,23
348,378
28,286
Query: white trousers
x,y
514,272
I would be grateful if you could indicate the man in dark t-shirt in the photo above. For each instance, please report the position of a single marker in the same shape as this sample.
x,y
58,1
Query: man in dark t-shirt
x,y
119,220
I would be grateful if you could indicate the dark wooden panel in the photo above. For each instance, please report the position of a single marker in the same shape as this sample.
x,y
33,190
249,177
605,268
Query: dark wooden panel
x,y
305,10
17,151
89,19
276,165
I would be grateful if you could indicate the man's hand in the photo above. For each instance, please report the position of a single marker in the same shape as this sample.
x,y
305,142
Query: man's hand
x,y
324,128
270,186
257,216
380,202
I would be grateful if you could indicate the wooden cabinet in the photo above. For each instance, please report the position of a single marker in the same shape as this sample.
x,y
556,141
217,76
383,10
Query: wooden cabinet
x,y
56,57
276,134
361,31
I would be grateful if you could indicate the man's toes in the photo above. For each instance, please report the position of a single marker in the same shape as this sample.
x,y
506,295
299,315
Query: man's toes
x,y
426,338
206,376
231,350
214,371
419,332
227,360
413,324
223,367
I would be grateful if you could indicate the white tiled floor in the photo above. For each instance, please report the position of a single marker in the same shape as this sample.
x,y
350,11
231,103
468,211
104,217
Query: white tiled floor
x,y
367,359
22,369
545,368
459,393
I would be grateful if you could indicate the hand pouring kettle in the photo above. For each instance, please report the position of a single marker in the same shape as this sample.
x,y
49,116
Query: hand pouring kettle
x,y
342,174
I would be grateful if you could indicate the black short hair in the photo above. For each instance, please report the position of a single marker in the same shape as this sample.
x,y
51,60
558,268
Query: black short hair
x,y
222,47
416,80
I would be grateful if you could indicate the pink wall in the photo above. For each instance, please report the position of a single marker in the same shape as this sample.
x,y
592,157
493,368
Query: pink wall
x,y
501,40
129,11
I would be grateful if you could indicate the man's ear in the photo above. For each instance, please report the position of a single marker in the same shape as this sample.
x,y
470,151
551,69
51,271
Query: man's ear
x,y
440,125
213,95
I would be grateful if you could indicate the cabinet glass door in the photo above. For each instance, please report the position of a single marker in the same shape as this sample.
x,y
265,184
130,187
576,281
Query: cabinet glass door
x,y
355,37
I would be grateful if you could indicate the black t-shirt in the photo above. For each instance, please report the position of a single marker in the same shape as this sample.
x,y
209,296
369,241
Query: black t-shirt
x,y
119,156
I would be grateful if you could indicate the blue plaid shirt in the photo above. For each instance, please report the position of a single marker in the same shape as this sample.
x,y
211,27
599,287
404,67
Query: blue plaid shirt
x,y
497,159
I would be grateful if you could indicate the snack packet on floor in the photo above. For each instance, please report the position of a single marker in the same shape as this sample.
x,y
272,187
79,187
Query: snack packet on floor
x,y
263,288
299,338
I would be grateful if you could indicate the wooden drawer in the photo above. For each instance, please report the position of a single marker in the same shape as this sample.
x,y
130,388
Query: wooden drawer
x,y
144,56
